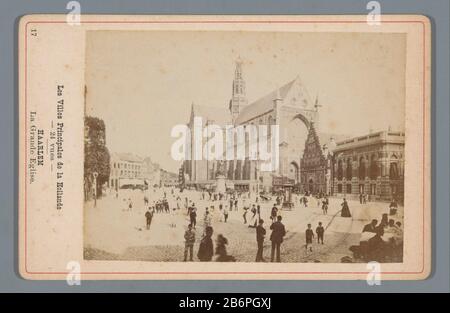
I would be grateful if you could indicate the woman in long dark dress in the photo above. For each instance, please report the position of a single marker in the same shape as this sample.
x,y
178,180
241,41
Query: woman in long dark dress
x,y
345,212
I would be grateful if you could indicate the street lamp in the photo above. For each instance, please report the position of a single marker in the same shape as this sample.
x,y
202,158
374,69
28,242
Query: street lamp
x,y
95,174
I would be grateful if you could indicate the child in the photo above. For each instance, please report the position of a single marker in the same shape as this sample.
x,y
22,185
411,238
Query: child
x,y
320,231
309,237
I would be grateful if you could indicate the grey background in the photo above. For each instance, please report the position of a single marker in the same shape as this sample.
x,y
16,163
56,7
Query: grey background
x,y
10,11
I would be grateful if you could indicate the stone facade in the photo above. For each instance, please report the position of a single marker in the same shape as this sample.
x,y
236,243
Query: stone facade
x,y
129,167
371,164
315,166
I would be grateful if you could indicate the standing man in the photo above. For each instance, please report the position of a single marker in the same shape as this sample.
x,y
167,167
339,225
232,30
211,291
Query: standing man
x,y
253,220
320,232
225,214
193,215
207,219
273,213
325,206
245,215
189,237
260,233
278,232
309,235
149,217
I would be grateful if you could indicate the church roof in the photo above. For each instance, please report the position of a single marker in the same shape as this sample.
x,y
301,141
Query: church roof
x,y
263,104
217,115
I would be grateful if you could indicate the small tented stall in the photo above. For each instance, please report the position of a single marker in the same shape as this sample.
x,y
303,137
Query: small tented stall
x,y
132,183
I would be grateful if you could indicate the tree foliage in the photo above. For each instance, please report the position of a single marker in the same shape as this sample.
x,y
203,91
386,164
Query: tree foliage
x,y
96,154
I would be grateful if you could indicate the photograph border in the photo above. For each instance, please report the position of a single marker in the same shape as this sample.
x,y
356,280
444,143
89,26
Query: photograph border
x,y
424,156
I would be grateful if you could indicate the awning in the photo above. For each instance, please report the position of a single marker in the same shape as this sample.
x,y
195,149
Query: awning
x,y
131,181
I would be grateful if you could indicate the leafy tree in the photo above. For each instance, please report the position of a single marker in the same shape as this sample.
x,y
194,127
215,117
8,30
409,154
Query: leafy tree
x,y
96,154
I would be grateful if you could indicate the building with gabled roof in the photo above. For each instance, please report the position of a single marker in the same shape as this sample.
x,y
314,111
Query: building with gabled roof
x,y
316,165
289,106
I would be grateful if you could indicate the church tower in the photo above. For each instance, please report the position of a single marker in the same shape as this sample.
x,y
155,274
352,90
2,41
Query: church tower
x,y
238,99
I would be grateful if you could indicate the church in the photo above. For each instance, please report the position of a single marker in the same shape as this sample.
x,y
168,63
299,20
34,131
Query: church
x,y
291,108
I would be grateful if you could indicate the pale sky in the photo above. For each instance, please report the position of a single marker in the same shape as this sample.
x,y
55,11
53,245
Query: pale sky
x,y
142,83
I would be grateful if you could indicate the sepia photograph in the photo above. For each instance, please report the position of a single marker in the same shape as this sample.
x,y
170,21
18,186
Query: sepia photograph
x,y
244,146
243,151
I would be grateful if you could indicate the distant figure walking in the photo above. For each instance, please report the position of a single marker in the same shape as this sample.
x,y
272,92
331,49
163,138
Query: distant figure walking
x,y
273,214
260,234
320,231
148,218
245,215
309,235
325,206
278,232
207,219
225,214
345,212
305,201
253,219
193,215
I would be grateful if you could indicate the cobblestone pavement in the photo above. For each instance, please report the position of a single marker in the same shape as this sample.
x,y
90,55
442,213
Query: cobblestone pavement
x,y
114,233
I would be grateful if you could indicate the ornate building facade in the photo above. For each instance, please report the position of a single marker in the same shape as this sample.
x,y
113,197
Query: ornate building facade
x,y
315,167
289,106
372,164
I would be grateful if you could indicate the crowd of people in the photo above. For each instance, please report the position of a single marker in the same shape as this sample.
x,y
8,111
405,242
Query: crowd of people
x,y
219,207
381,241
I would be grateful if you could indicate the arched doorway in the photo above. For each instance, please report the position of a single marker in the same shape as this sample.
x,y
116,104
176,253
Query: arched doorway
x,y
293,135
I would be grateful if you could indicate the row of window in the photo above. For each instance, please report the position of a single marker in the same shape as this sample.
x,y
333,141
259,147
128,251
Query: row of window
x,y
370,189
126,165
372,172
126,173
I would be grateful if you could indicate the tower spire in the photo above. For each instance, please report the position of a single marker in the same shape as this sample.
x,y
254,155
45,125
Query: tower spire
x,y
238,98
